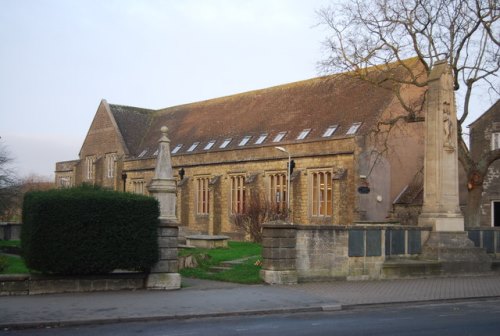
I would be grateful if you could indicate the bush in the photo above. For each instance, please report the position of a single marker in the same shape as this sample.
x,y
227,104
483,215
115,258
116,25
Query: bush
x,y
3,263
89,230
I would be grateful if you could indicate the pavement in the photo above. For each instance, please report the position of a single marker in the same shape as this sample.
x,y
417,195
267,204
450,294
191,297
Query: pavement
x,y
203,298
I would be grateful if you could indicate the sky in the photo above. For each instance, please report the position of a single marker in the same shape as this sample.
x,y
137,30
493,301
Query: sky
x,y
59,58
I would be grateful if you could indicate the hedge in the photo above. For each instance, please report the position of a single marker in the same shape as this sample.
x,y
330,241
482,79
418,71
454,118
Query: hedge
x,y
89,230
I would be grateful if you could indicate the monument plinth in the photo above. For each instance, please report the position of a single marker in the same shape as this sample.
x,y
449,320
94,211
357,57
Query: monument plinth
x,y
164,275
448,242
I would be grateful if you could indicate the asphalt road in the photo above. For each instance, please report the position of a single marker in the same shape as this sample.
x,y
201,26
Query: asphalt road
x,y
465,318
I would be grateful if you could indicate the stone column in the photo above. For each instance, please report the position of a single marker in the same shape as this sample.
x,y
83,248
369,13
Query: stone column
x,y
441,208
279,254
164,274
448,242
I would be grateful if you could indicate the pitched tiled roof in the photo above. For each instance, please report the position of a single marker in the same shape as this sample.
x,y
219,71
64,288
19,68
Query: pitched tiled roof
x,y
133,123
312,104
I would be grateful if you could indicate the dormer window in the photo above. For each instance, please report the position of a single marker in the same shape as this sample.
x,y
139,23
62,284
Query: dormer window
x,y
354,128
209,145
303,134
244,141
279,137
143,153
193,146
329,131
261,139
177,148
225,143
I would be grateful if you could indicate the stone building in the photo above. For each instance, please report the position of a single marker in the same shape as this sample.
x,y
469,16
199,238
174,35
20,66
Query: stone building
x,y
485,136
348,166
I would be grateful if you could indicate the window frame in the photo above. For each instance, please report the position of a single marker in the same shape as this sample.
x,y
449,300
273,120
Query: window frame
x,y
110,159
209,145
176,149
89,167
202,190
237,194
225,143
330,131
320,201
138,186
244,140
303,134
277,183
280,136
495,141
354,128
261,138
193,147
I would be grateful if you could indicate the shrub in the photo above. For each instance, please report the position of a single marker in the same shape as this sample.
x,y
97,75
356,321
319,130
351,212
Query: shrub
x,y
89,230
257,212
3,263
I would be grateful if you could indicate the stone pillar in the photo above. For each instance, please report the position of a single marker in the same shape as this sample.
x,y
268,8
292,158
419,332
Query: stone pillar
x,y
279,254
448,242
441,208
164,275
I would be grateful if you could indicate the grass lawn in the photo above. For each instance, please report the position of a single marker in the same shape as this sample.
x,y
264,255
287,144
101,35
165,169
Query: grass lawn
x,y
15,264
16,243
246,273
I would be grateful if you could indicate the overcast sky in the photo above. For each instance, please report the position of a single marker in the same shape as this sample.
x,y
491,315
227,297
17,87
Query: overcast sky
x,y
59,58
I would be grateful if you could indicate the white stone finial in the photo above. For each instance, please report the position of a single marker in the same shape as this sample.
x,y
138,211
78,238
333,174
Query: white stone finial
x,y
164,137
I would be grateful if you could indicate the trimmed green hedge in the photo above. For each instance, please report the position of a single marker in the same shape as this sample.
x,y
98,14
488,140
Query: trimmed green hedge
x,y
89,230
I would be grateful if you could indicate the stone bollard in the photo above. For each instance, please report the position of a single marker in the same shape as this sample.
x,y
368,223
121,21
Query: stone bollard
x,y
279,254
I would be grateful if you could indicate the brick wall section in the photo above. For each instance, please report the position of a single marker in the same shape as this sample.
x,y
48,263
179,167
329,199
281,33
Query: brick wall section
x,y
480,140
278,247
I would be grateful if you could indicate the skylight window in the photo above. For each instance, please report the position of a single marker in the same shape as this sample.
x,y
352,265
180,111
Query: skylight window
x,y
279,137
353,129
244,141
156,152
209,145
193,146
177,148
261,139
143,153
303,134
329,131
225,143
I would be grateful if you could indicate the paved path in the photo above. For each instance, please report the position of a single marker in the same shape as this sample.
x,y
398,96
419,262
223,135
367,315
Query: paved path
x,y
208,298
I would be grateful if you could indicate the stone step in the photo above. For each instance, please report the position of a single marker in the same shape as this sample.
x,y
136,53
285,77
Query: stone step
x,y
409,268
218,269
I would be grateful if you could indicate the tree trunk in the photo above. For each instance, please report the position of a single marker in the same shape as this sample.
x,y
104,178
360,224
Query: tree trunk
x,y
472,215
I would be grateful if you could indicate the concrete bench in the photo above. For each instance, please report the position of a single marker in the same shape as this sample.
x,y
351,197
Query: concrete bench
x,y
207,241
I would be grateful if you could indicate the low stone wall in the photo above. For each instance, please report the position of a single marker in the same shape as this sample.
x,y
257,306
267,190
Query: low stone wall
x,y
295,253
17,284
487,238
10,231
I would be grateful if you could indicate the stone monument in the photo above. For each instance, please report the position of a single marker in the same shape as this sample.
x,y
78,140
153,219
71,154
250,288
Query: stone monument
x,y
448,242
164,275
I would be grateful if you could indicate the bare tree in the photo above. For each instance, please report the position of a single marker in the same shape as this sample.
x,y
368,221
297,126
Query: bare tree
x,y
257,211
382,35
9,187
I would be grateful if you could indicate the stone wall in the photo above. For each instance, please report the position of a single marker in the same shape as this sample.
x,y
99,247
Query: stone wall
x,y
325,252
10,231
17,284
